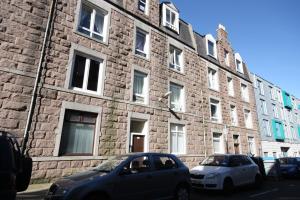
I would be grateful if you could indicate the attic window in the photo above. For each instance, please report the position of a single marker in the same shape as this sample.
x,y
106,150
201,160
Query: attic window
x,y
170,18
211,48
142,6
239,63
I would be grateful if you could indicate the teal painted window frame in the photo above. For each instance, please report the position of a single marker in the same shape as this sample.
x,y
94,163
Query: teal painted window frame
x,y
287,101
278,135
299,131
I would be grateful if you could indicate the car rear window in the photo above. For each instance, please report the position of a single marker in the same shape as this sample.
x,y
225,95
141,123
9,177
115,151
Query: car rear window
x,y
164,162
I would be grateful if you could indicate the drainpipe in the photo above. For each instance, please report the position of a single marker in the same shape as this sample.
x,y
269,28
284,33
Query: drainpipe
x,y
203,124
37,79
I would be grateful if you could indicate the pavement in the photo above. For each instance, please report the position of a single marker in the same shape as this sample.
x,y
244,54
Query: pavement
x,y
271,190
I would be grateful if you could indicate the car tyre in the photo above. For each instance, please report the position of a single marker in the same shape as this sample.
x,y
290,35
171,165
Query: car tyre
x,y
182,193
228,186
258,181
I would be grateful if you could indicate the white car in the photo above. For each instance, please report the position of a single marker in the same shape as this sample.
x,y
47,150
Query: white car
x,y
224,172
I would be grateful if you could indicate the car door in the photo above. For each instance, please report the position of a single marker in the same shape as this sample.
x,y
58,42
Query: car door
x,y
164,176
236,170
135,180
250,169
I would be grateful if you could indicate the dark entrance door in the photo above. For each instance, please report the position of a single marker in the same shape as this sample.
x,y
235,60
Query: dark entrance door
x,y
138,143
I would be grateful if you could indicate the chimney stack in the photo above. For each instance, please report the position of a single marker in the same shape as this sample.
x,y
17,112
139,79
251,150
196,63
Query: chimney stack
x,y
221,33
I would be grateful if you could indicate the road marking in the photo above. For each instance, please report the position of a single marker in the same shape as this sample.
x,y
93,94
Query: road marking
x,y
263,193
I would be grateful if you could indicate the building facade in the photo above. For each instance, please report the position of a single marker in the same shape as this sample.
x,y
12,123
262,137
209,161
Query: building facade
x,y
118,77
278,116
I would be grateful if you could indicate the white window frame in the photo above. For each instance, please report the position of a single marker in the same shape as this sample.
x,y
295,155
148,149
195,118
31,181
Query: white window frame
x,y
244,92
220,139
213,78
174,27
86,73
177,132
275,111
94,9
146,45
145,94
181,106
178,67
264,106
146,6
226,58
230,85
233,115
260,86
248,120
272,92
218,118
266,124
252,141
210,38
239,66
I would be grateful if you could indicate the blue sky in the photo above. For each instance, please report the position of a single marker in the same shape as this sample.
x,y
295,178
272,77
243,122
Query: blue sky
x,y
266,33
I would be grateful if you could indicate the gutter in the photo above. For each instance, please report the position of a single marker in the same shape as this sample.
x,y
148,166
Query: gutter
x,y
38,77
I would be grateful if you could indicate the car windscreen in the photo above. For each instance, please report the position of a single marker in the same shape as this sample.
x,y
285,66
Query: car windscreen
x,y
110,164
216,160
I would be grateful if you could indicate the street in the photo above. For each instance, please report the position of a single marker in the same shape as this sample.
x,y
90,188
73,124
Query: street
x,y
271,190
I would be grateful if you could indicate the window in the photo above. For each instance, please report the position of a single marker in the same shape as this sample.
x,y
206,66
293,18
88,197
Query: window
x,y
248,118
78,133
211,48
170,18
233,115
244,92
213,82
175,59
137,165
266,154
275,111
226,57
142,43
140,87
251,145
260,87
86,74
218,143
177,139
93,22
274,155
279,97
230,86
272,93
281,113
163,163
239,63
176,97
236,143
215,110
263,105
266,128
142,6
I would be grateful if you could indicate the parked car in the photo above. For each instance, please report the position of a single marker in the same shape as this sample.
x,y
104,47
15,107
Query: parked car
x,y
261,166
15,168
224,172
133,176
290,167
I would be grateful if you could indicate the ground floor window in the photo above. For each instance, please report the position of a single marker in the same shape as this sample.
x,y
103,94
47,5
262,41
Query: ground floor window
x,y
236,144
251,145
78,133
177,139
218,143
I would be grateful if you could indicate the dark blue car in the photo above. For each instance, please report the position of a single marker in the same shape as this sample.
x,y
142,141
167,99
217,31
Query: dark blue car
x,y
134,176
290,167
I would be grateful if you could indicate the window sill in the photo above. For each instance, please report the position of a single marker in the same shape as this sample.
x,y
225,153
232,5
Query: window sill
x,y
216,122
105,42
176,71
139,103
147,58
213,89
86,93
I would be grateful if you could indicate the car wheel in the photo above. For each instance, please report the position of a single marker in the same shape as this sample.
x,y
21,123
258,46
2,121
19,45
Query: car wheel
x,y
258,181
182,193
228,186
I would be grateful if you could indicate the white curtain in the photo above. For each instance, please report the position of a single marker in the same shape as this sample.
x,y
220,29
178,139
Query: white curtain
x,y
138,84
78,138
175,97
99,23
85,18
140,41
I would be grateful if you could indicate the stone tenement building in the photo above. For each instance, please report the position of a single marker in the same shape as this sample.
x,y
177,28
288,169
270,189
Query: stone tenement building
x,y
279,119
118,77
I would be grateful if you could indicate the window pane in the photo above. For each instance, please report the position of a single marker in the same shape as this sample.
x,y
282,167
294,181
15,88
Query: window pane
x,y
78,73
168,15
175,97
93,75
173,18
99,22
180,143
138,87
213,109
77,137
142,5
211,48
85,19
174,142
140,41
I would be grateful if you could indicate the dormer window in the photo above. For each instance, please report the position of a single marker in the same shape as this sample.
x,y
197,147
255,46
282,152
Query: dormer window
x,y
239,63
170,17
211,48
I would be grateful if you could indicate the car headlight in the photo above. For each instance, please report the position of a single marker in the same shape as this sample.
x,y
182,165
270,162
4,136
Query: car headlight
x,y
212,176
